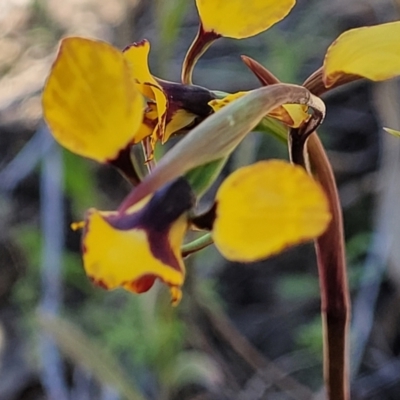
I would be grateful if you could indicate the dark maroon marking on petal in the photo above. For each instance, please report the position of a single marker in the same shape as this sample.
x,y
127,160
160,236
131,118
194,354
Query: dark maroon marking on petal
x,y
191,98
124,164
135,44
98,282
85,231
157,217
142,284
151,123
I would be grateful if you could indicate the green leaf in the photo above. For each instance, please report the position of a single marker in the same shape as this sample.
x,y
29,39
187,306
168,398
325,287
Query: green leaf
x,y
201,178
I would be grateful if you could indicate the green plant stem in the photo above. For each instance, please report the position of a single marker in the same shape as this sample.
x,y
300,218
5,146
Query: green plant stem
x,y
335,304
197,244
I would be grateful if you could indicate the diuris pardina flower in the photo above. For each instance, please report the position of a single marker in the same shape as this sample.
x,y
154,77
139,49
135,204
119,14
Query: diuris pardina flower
x,y
99,101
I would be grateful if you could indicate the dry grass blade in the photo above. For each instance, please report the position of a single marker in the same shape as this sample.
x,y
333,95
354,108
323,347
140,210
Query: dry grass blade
x,y
84,351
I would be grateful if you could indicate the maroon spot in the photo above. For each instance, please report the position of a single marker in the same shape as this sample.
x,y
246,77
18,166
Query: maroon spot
x,y
142,284
136,44
98,282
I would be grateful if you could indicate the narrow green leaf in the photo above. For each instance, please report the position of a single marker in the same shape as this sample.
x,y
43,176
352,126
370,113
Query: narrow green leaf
x,y
202,177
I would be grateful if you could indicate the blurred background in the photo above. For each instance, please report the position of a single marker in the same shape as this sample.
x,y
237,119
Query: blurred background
x,y
242,332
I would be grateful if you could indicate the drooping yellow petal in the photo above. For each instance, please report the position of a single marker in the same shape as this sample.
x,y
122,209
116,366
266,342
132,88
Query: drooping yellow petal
x,y
266,207
241,19
371,52
292,115
132,249
90,100
137,56
124,258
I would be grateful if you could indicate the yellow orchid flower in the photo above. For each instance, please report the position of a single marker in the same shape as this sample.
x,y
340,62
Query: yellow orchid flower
x,y
258,212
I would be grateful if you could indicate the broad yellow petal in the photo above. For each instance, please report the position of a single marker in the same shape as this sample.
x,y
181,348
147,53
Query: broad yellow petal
x,y
90,100
266,207
240,18
371,52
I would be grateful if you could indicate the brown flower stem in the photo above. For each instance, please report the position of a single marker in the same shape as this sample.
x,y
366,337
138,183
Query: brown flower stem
x,y
335,303
201,43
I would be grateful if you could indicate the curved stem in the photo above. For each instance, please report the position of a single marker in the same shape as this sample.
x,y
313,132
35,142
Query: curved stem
x,y
197,244
335,303
201,43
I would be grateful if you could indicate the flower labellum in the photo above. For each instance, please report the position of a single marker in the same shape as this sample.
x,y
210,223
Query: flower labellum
x,y
134,248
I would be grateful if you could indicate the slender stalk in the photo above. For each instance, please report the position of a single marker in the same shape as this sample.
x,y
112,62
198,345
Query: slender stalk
x,y
335,303
196,245
201,43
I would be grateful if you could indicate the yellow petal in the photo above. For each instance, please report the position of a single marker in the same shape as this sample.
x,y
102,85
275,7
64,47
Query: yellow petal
x,y
292,115
132,249
297,115
90,100
240,18
371,52
123,258
266,207
179,120
137,56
